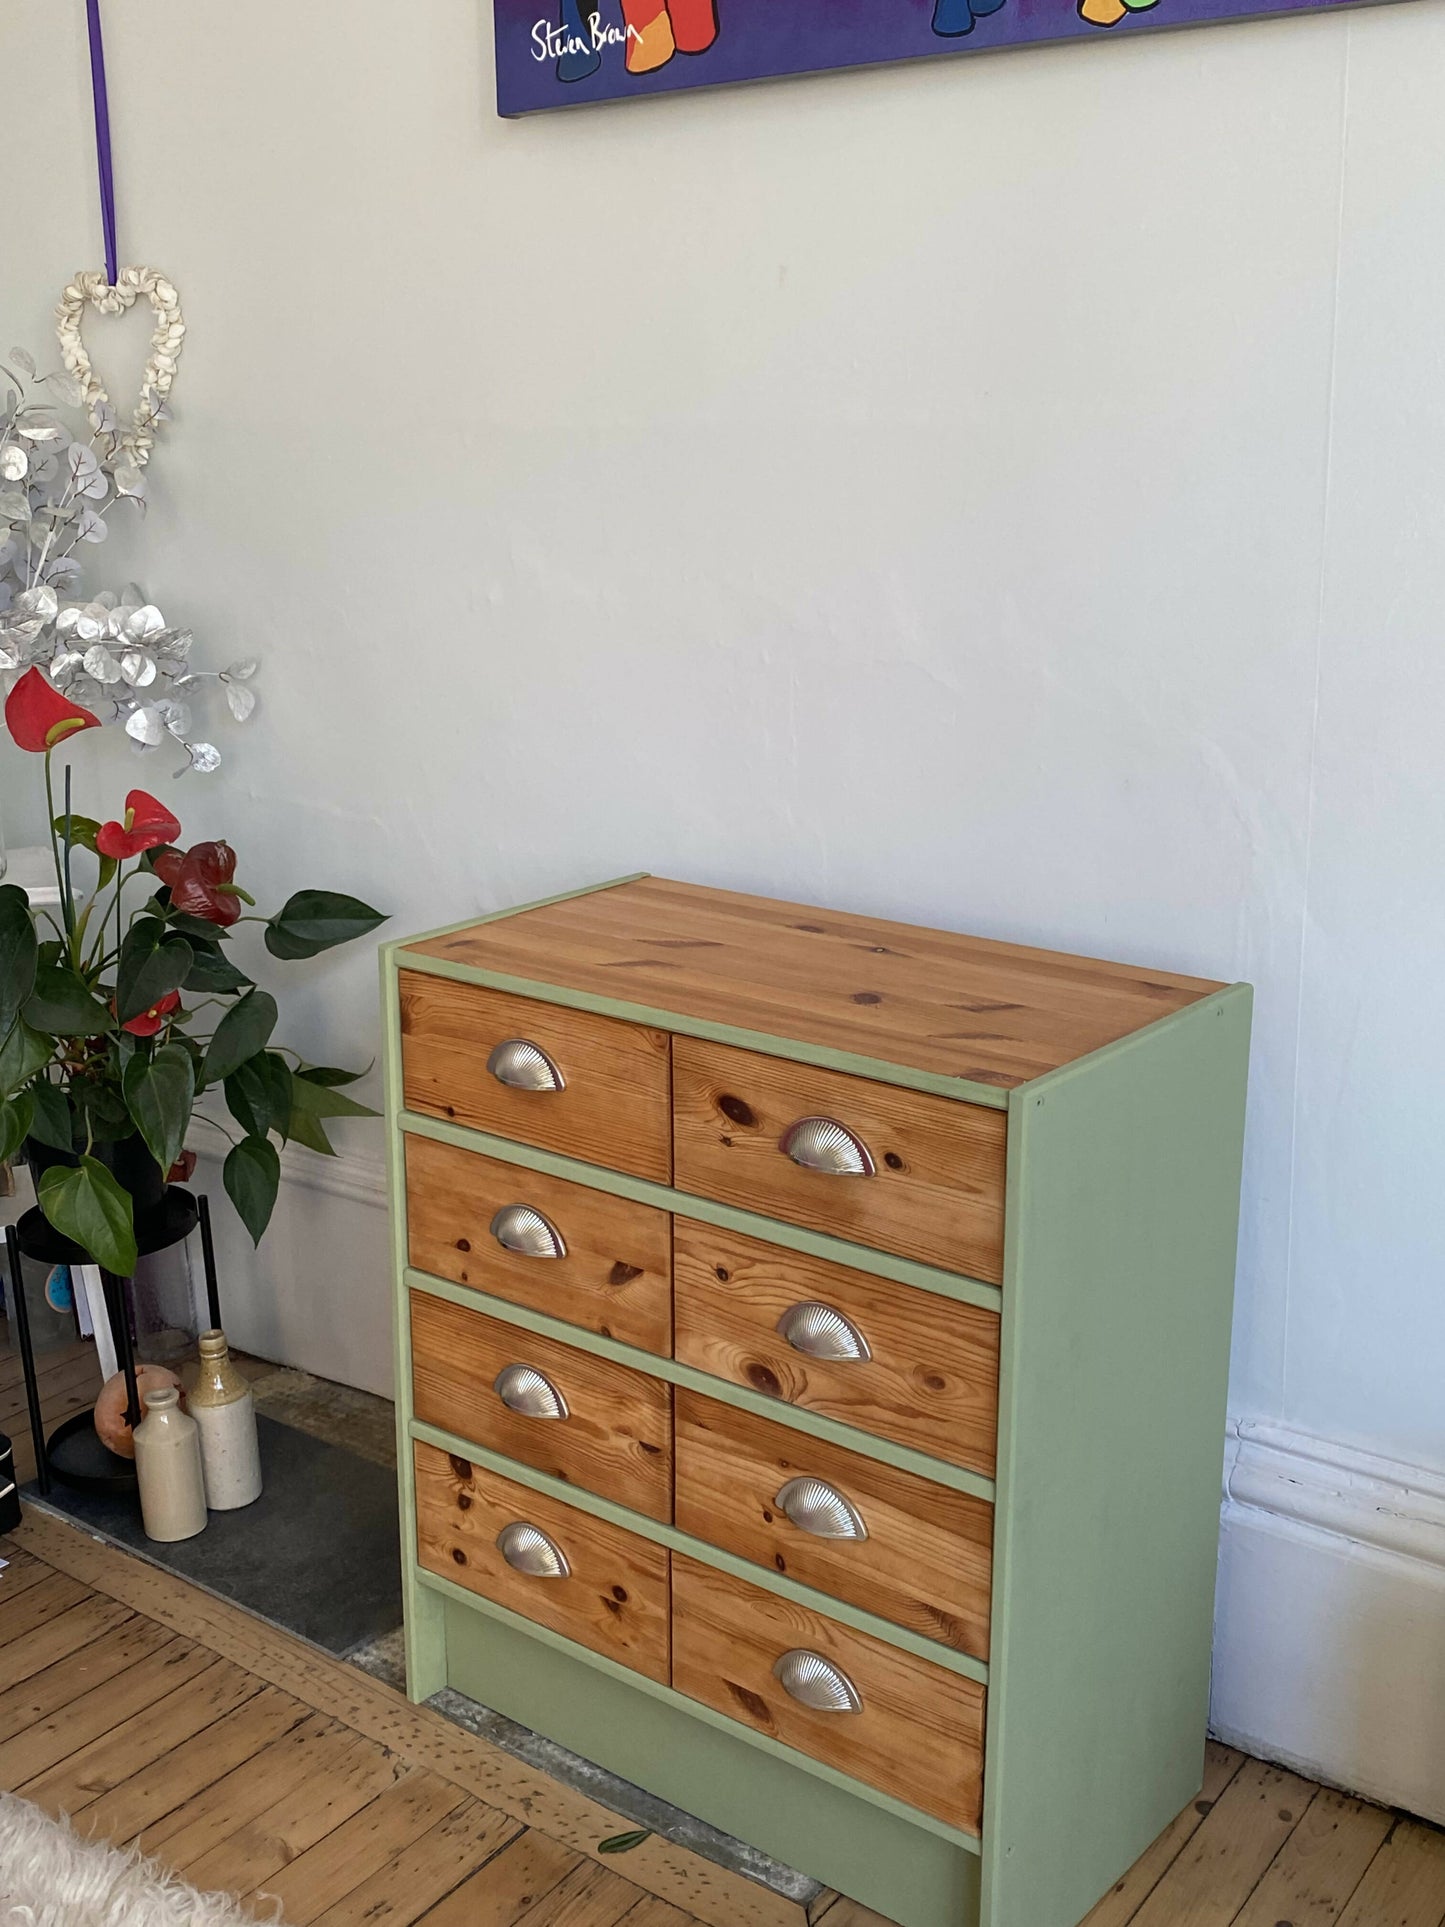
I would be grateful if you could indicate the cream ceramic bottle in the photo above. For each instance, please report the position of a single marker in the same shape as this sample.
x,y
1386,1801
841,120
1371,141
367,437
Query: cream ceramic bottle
x,y
220,1402
168,1469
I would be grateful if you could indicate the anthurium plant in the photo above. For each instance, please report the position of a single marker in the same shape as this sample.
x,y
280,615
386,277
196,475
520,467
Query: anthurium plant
x,y
121,1009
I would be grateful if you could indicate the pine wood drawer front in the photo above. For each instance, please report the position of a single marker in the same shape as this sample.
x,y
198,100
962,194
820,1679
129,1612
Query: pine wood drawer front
x,y
608,1590
475,1220
930,1379
918,1733
935,1192
616,1437
612,1104
921,1554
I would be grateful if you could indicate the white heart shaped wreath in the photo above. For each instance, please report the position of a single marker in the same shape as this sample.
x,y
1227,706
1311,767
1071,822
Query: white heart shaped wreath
x,y
91,287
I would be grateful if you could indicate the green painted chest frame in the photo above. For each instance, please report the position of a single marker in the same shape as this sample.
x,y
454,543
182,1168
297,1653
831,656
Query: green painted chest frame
x,y
1120,1234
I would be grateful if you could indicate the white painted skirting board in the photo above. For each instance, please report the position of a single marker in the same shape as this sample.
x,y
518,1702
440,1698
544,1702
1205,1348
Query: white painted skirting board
x,y
352,1175
1329,1651
1329,1645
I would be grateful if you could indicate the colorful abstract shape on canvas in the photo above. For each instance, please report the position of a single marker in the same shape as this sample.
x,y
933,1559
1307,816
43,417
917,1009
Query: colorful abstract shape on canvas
x,y
560,53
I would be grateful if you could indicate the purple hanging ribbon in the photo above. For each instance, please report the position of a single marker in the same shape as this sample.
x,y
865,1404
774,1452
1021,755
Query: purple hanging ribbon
x,y
102,137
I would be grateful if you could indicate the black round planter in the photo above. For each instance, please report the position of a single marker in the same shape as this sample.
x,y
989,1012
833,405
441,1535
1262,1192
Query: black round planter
x,y
127,1158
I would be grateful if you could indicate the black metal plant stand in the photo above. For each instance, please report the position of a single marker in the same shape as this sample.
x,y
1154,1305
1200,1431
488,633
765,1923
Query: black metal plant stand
x,y
73,1453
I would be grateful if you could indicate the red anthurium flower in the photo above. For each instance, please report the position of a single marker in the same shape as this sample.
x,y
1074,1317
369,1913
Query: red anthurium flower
x,y
200,881
148,1022
39,717
147,824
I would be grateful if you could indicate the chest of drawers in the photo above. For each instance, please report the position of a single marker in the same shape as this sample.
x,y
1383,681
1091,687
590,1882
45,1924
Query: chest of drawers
x,y
812,1336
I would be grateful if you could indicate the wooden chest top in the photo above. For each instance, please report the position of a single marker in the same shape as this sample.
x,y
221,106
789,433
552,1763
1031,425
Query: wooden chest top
x,y
954,1006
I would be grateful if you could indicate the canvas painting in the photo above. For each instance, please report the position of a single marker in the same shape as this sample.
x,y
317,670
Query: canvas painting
x,y
559,53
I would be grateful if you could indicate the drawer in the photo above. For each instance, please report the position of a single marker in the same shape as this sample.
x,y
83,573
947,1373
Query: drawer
x,y
882,1539
932,1182
916,1731
615,1438
601,1586
927,1373
608,1097
582,1255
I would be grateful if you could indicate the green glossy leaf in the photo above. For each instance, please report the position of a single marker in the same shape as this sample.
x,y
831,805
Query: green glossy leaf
x,y
19,953
251,1174
624,1842
50,952
320,1100
102,1111
196,929
214,974
315,920
50,1122
331,1076
62,1004
85,1203
245,1029
23,1053
159,1091
304,1127
258,1094
15,1115
151,966
83,831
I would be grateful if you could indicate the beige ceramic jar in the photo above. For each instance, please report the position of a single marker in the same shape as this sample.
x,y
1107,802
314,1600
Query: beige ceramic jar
x,y
168,1469
221,1403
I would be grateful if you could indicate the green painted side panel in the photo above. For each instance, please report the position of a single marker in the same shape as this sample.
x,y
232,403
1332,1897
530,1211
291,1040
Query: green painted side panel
x,y
1120,1255
676,1373
709,1555
876,1068
905,1271
706,1766
421,1611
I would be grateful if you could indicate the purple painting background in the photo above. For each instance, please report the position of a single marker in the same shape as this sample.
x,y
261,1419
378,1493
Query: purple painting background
x,y
760,38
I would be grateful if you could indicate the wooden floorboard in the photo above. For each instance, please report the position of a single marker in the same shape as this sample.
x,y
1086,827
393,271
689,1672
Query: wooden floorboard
x,y
1214,1876
420,1875
1405,1883
147,1735
110,1650
1310,1880
362,1846
132,1809
1124,1899
253,1764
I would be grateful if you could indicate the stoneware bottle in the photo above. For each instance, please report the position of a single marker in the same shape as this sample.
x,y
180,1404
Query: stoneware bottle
x,y
168,1469
220,1402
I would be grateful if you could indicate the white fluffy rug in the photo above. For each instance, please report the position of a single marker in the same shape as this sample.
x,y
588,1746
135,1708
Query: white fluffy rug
x,y
50,1877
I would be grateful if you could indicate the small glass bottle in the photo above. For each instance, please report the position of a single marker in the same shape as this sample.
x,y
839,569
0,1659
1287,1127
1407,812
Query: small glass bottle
x,y
168,1469
222,1405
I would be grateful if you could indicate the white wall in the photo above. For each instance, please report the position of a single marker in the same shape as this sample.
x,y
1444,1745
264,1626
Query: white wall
x,y
1003,493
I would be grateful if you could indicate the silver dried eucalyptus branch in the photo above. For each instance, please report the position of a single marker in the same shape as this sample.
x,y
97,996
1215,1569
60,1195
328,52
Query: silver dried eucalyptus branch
x,y
115,654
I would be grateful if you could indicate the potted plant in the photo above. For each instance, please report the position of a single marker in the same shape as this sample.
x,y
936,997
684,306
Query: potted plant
x,y
121,1010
